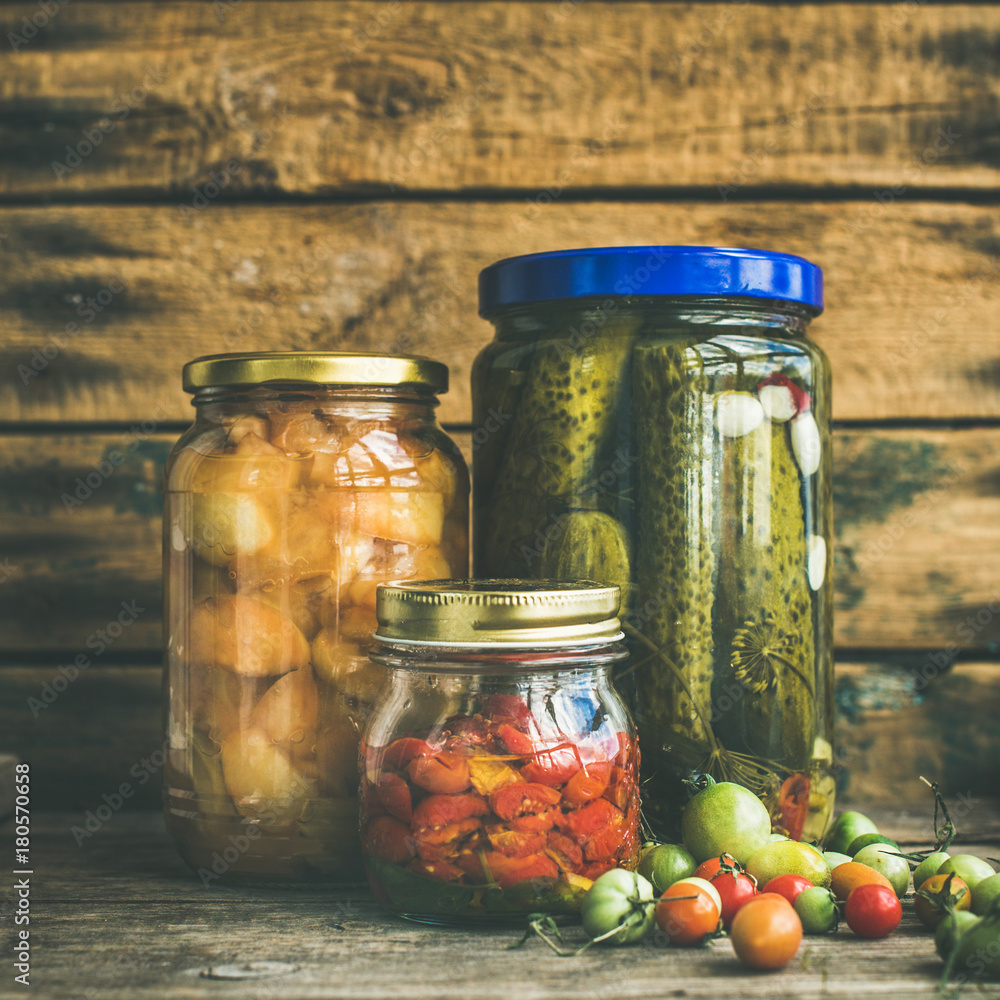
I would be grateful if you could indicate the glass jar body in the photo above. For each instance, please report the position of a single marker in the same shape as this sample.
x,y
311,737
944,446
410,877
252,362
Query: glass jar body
x,y
490,791
284,508
680,448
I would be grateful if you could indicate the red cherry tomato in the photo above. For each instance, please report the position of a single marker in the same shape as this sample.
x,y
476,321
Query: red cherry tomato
x,y
766,932
734,889
872,911
788,886
710,868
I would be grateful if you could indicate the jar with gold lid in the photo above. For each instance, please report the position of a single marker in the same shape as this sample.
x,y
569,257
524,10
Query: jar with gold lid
x,y
500,764
305,480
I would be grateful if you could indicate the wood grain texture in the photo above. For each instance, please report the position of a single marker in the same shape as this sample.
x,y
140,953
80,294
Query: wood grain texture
x,y
917,516
87,736
101,306
324,98
121,914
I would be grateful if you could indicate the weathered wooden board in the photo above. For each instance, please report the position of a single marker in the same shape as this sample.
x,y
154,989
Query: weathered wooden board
x,y
101,306
135,98
122,907
86,736
917,515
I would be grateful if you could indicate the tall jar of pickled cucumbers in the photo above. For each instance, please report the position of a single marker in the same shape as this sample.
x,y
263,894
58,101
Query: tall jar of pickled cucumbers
x,y
305,481
655,417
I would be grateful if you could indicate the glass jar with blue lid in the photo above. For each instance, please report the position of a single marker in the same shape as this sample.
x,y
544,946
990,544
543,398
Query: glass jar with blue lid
x,y
655,417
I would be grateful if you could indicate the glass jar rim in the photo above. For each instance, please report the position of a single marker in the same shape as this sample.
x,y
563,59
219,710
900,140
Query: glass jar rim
x,y
675,271
315,368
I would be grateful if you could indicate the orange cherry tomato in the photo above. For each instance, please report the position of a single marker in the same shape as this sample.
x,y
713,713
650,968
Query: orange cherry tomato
x,y
848,876
931,915
686,914
766,932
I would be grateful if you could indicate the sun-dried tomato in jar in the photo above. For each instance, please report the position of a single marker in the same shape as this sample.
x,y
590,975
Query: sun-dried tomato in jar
x,y
305,481
499,766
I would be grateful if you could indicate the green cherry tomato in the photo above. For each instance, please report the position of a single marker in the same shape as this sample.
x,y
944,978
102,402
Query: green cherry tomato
x,y
724,818
817,909
846,827
928,867
618,899
788,857
951,929
968,867
664,864
984,893
977,949
866,840
886,861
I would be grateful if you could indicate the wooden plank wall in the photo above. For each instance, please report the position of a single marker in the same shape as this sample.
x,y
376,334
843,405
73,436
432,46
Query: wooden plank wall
x,y
183,178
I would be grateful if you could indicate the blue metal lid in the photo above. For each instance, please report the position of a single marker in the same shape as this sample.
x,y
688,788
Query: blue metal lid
x,y
700,271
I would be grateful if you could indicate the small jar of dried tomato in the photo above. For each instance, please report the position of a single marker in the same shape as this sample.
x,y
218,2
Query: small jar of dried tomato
x,y
499,764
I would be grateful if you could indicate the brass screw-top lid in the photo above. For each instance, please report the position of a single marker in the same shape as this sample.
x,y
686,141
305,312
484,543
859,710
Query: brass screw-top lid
x,y
512,612
323,368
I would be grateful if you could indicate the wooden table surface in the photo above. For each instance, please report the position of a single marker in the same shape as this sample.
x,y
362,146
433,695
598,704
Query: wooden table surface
x,y
121,917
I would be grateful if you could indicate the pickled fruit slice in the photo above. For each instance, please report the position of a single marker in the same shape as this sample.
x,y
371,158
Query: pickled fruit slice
x,y
446,773
246,636
408,516
528,799
262,779
345,665
287,713
224,524
388,839
439,810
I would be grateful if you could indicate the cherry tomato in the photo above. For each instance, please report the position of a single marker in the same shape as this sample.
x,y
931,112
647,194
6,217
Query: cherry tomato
x,y
687,913
710,868
766,932
943,893
734,889
724,817
788,886
848,876
664,864
817,909
618,899
873,911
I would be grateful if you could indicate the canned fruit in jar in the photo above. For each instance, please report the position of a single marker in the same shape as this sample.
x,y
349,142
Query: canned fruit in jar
x,y
279,526
490,804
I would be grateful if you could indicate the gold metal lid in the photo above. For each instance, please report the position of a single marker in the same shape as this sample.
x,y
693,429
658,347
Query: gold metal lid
x,y
545,613
324,368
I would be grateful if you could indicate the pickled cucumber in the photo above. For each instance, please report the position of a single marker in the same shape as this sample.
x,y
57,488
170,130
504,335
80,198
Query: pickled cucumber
x,y
562,438
675,562
591,545
764,611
